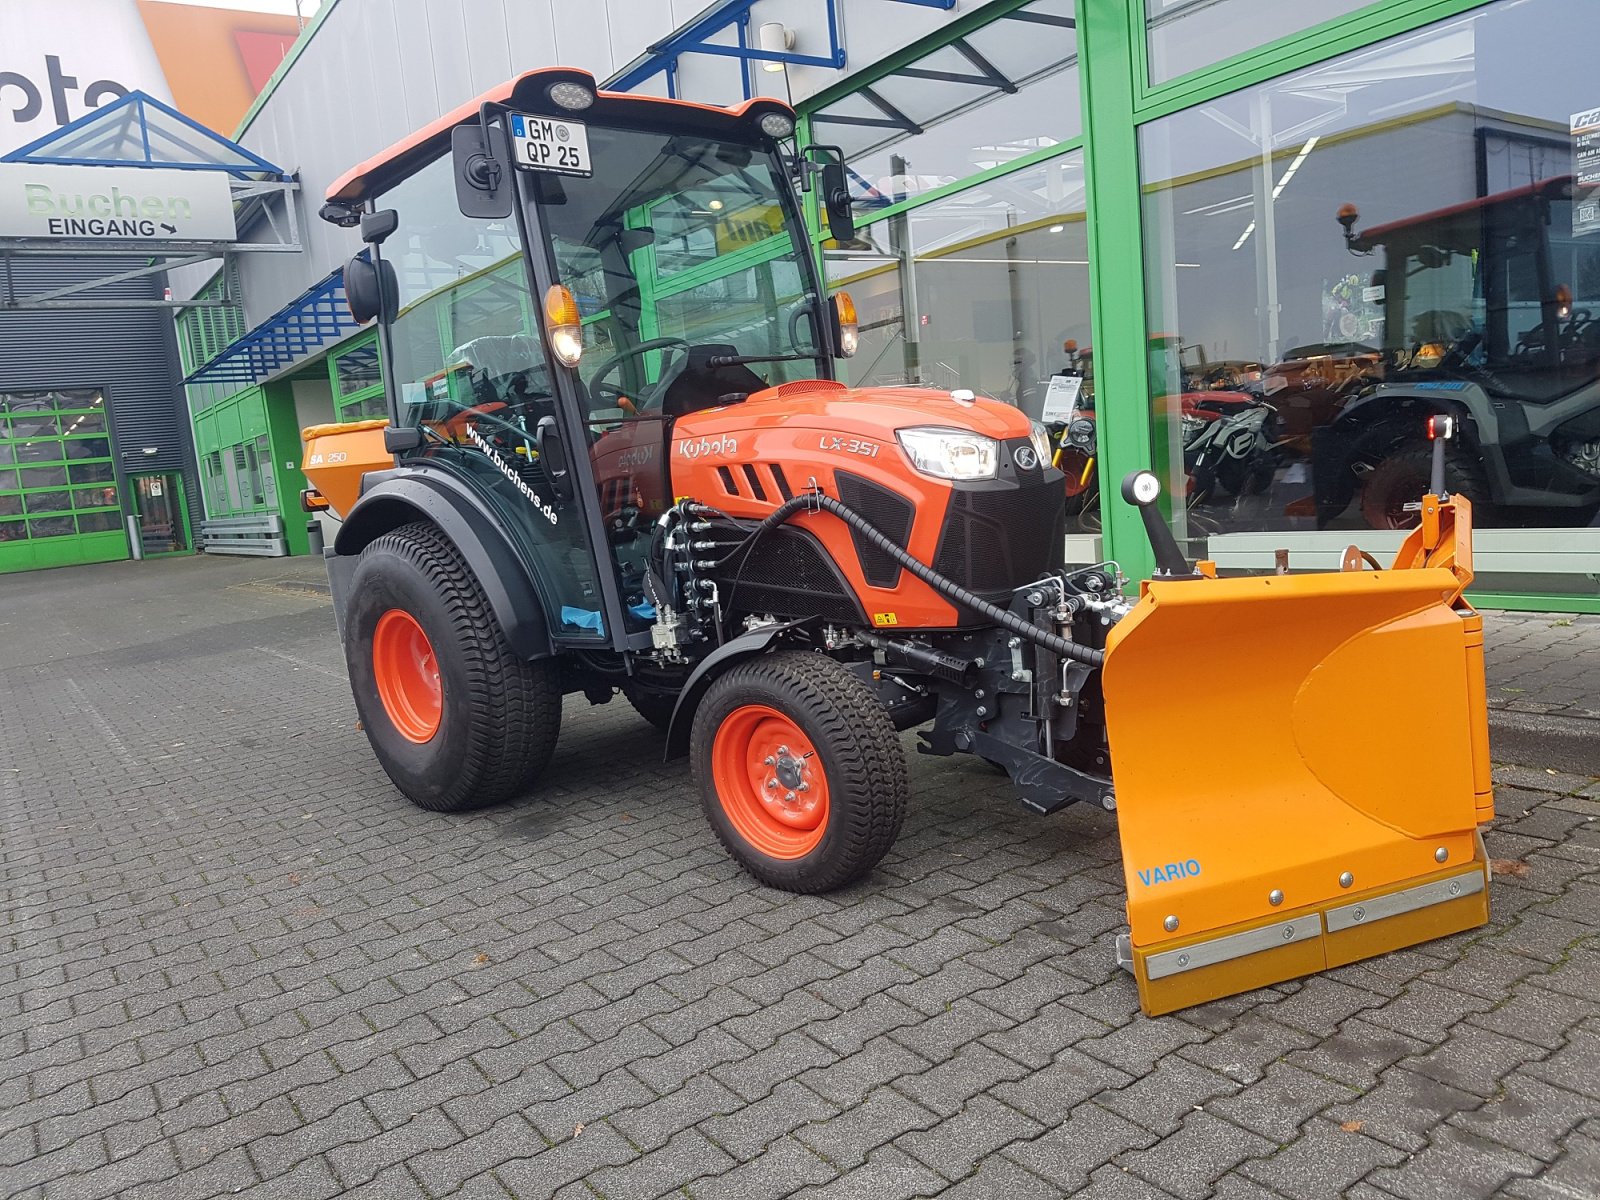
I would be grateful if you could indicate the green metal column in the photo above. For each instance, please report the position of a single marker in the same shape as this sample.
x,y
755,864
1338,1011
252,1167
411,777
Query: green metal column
x,y
1109,57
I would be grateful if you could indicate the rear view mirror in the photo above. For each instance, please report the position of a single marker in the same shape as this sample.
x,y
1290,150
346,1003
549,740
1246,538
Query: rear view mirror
x,y
370,289
484,188
836,203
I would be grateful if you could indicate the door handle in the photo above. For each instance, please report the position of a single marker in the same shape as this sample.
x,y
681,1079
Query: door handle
x,y
553,456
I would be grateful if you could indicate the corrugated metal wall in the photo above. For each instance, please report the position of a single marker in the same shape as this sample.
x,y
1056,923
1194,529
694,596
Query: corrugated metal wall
x,y
130,352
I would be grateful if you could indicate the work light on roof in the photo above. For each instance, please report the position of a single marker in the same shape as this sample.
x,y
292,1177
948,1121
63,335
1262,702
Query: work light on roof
x,y
569,95
777,125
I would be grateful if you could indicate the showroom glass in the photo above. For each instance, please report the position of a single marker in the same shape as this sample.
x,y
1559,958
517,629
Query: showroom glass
x,y
51,443
1185,35
1006,89
1472,274
995,280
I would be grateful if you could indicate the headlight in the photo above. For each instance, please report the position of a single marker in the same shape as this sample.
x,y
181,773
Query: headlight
x,y
950,453
1191,427
1081,433
1040,437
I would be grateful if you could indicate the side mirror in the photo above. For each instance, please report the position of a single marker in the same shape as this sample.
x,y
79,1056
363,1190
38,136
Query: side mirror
x,y
484,188
836,203
370,289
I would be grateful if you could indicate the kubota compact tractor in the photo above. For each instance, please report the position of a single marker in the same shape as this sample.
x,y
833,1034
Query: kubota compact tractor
x,y
617,460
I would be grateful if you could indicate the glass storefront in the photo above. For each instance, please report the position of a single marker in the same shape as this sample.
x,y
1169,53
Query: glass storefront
x,y
56,474
1335,254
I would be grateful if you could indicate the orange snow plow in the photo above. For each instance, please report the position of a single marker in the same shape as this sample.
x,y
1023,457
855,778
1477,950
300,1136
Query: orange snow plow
x,y
1341,821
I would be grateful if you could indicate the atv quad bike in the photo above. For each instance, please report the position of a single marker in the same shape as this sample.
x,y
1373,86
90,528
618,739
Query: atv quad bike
x,y
618,462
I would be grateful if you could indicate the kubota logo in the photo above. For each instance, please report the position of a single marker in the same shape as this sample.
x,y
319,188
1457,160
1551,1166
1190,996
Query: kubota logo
x,y
709,447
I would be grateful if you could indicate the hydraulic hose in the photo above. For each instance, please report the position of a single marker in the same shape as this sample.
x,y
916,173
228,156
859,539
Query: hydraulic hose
x,y
949,588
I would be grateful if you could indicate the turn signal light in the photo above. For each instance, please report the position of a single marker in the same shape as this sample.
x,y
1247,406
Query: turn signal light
x,y
562,325
849,332
1441,426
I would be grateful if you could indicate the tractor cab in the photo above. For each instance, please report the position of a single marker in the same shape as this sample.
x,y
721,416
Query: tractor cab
x,y
561,279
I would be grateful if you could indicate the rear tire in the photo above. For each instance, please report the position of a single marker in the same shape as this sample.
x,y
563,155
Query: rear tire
x,y
457,720
822,727
654,706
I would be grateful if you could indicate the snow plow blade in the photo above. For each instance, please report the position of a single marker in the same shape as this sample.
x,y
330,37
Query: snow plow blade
x,y
1318,801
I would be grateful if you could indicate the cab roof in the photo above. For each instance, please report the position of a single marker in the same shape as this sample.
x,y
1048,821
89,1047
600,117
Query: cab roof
x,y
529,93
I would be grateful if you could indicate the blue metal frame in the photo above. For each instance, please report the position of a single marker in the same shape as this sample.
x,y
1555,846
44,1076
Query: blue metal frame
x,y
310,321
691,39
37,151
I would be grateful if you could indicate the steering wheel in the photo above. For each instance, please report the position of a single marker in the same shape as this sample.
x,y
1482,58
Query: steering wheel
x,y
596,381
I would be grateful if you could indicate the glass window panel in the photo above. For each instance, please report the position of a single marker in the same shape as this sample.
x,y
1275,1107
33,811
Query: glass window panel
x,y
357,369
10,506
43,477
35,425
43,502
79,400
8,453
48,450
8,479
13,531
1292,368
92,447
45,527
267,479
994,279
966,127
25,403
1185,35
93,472
79,423
99,522
94,497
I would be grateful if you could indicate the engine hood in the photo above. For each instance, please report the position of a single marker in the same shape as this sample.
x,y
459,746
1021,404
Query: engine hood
x,y
867,411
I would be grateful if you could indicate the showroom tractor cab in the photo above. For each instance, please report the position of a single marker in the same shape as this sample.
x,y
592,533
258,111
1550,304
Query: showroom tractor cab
x,y
618,460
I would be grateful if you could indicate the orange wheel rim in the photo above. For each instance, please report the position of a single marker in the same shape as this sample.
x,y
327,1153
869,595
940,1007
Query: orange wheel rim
x,y
407,675
770,782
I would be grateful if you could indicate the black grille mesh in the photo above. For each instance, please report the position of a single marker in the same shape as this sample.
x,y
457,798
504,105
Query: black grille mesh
x,y
889,513
788,574
996,540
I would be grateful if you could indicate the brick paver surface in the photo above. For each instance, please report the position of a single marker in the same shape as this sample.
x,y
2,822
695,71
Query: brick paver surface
x,y
235,961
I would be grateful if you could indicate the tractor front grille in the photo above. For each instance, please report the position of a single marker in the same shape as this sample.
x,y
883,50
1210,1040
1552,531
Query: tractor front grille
x,y
998,537
787,573
889,513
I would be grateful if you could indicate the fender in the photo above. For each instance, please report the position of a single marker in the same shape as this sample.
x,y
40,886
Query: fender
x,y
400,497
746,645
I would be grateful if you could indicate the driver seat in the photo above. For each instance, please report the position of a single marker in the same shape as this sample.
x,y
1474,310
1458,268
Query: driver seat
x,y
700,385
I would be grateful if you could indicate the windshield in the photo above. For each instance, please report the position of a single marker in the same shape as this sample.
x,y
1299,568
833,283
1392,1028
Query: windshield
x,y
679,242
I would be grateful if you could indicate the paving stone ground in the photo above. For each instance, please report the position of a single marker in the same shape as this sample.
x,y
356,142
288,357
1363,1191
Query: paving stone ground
x,y
235,961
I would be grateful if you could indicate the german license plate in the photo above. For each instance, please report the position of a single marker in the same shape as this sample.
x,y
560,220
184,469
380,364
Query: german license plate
x,y
551,144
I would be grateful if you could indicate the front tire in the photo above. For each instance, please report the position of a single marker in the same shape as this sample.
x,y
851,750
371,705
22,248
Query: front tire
x,y
801,774
457,720
1402,477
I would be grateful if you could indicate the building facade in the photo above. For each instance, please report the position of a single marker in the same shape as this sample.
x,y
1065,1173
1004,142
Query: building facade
x,y
1255,243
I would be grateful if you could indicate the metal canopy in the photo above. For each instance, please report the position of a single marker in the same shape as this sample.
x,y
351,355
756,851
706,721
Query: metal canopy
x,y
312,320
139,132
694,38
885,111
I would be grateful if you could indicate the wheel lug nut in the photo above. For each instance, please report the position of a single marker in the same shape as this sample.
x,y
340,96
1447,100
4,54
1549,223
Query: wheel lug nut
x,y
783,750
769,760
772,784
789,796
805,787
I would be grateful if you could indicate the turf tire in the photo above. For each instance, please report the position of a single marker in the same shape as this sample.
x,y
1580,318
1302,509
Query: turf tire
x,y
860,752
500,715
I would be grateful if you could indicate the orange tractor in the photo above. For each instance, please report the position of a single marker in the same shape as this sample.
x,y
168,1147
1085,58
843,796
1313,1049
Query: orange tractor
x,y
618,460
